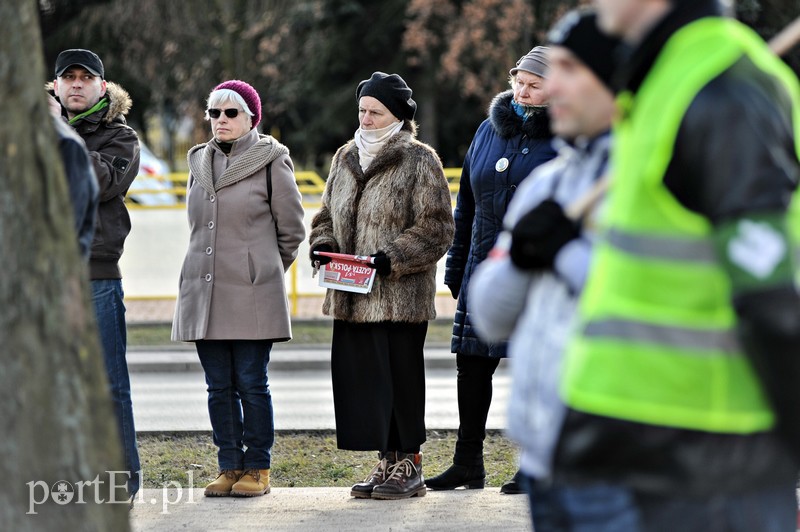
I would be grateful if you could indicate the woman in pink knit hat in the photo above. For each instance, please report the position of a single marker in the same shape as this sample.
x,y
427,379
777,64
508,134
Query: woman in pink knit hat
x,y
246,223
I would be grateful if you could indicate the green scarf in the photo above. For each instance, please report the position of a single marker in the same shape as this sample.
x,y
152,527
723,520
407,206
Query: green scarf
x,y
99,105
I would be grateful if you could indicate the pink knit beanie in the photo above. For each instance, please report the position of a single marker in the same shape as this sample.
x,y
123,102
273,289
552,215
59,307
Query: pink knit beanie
x,y
248,94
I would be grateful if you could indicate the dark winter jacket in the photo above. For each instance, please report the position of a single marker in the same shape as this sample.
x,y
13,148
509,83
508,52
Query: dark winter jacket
x,y
114,152
401,206
484,194
83,189
734,156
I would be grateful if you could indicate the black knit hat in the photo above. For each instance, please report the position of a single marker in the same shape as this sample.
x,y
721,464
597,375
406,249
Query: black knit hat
x,y
578,32
391,90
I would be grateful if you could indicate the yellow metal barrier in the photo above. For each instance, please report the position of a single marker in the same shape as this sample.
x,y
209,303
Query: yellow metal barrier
x,y
309,183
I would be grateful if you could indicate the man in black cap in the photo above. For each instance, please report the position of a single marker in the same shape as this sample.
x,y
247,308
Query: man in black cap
x,y
96,109
682,378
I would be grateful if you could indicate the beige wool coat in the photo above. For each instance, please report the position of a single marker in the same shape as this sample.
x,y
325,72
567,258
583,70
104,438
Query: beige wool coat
x,y
231,286
401,205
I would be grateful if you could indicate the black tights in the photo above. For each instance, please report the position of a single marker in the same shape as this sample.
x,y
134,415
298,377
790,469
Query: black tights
x,y
474,384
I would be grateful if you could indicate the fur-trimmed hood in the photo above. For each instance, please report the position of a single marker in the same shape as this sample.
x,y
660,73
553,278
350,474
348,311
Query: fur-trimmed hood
x,y
119,101
507,123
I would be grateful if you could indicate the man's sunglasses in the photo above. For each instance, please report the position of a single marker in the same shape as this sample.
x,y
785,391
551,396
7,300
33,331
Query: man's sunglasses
x,y
230,113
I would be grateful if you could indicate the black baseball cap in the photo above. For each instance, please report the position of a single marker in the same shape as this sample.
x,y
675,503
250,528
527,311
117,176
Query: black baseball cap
x,y
78,56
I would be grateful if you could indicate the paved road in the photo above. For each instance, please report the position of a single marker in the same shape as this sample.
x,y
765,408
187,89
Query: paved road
x,y
302,399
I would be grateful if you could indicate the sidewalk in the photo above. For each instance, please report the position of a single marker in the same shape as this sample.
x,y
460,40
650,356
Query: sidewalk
x,y
325,509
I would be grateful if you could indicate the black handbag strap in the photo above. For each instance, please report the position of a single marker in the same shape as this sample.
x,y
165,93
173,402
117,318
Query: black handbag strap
x,y
269,183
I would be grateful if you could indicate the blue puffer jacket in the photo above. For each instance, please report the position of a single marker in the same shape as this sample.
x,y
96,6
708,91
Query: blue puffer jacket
x,y
484,194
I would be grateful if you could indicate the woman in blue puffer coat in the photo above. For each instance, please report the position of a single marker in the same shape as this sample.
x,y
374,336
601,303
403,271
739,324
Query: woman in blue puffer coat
x,y
508,145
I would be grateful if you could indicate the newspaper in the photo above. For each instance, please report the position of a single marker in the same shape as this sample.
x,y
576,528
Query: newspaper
x,y
350,273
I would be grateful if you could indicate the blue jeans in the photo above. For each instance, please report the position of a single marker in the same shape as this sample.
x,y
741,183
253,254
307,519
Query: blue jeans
x,y
110,313
239,401
769,509
599,507
609,507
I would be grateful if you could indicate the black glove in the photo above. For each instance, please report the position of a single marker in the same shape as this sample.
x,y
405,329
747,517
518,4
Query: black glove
x,y
455,289
321,258
382,263
540,234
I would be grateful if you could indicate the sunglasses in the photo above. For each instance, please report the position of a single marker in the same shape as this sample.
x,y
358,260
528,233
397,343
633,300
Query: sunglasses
x,y
230,113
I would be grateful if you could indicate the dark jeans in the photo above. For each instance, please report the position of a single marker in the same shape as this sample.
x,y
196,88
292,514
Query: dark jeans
x,y
239,401
605,507
110,312
771,509
596,507
474,386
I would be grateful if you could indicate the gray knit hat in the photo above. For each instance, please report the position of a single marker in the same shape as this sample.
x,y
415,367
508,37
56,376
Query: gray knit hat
x,y
535,62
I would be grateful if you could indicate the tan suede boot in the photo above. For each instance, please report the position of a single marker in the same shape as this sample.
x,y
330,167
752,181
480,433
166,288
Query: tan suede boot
x,y
252,483
221,487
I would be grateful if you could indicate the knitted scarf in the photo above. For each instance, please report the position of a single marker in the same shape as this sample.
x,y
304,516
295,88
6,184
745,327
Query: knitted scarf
x,y
370,142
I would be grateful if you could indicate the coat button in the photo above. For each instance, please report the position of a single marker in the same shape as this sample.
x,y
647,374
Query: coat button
x,y
525,150
208,277
208,250
212,199
211,225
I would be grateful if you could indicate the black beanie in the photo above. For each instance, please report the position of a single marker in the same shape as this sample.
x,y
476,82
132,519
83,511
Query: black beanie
x,y
391,90
578,32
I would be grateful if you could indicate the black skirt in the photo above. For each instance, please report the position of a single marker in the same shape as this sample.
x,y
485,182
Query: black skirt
x,y
378,372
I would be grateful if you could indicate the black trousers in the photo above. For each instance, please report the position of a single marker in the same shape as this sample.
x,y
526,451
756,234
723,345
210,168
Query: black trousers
x,y
474,385
378,373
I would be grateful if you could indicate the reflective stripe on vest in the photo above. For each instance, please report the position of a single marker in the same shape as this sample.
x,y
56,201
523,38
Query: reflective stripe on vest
x,y
662,247
692,340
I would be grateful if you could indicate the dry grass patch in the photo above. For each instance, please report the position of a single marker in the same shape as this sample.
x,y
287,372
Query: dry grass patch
x,y
305,459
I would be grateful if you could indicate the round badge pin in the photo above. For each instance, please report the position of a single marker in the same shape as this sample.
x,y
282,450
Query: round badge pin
x,y
501,165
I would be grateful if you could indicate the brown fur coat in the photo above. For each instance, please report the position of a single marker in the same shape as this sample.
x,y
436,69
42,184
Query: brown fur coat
x,y
401,205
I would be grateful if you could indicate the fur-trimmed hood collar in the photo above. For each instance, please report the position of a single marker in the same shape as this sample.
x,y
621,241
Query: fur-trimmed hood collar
x,y
507,123
119,101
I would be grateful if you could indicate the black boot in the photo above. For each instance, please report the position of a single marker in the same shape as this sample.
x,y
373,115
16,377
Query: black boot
x,y
513,486
376,477
405,479
471,477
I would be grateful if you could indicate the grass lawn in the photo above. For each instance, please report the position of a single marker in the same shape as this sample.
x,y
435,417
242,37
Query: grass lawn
x,y
306,459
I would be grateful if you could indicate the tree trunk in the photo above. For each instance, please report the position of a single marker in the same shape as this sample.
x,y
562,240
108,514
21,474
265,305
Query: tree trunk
x,y
56,419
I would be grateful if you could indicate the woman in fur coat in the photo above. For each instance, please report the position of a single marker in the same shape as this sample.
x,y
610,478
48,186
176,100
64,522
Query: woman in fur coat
x,y
508,145
387,196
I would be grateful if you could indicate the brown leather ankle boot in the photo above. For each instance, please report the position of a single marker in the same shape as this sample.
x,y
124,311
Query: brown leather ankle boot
x,y
376,477
405,479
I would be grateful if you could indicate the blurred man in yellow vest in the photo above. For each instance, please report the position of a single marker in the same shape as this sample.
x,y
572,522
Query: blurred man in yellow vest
x,y
683,379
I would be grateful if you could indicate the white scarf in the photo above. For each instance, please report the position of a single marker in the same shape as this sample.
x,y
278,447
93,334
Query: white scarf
x,y
370,141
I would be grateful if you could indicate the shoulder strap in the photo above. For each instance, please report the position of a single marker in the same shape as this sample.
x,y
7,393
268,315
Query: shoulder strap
x,y
269,183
